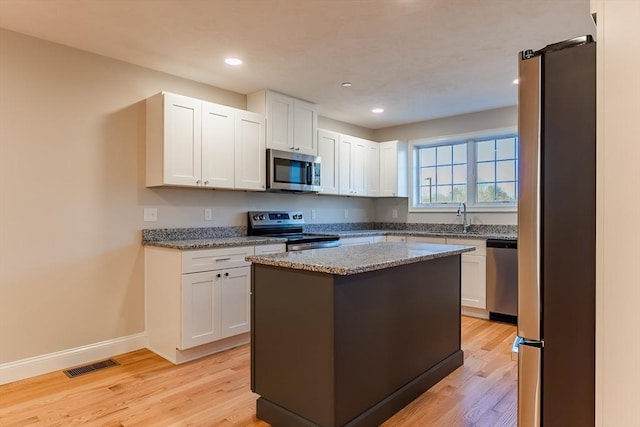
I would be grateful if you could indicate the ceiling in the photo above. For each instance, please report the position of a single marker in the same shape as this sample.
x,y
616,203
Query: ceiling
x,y
418,59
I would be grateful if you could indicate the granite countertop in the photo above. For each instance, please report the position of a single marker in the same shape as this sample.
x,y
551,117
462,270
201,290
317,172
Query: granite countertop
x,y
219,242
359,259
461,235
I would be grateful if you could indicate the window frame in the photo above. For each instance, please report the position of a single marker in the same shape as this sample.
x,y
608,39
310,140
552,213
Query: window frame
x,y
470,139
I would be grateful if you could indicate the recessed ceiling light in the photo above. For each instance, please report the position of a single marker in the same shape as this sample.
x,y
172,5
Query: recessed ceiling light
x,y
346,84
516,81
233,61
378,110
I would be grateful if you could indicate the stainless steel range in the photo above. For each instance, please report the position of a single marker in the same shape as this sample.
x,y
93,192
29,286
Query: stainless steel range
x,y
289,225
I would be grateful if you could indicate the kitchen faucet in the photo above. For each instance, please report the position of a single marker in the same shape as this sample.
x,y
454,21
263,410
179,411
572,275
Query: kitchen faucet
x,y
462,210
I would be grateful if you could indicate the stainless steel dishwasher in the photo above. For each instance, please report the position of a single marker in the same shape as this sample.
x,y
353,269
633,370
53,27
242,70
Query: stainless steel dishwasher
x,y
502,280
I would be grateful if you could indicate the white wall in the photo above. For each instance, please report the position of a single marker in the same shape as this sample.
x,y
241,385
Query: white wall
x,y
466,123
618,201
72,195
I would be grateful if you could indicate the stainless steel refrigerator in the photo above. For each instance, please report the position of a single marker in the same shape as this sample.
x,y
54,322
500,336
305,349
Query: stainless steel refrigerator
x,y
556,235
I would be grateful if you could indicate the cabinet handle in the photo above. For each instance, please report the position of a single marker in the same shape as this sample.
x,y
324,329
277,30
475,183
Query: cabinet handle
x,y
223,259
218,275
298,149
198,181
206,182
226,274
292,148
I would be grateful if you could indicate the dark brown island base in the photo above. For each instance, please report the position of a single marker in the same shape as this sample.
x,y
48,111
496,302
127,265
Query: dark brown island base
x,y
348,336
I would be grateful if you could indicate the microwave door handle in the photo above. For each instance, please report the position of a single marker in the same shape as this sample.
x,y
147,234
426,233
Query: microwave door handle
x,y
309,174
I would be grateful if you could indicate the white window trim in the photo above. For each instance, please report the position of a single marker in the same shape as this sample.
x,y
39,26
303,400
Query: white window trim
x,y
414,144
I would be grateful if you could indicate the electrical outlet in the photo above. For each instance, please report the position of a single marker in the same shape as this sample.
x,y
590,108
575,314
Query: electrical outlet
x,y
150,214
313,214
394,213
346,213
208,214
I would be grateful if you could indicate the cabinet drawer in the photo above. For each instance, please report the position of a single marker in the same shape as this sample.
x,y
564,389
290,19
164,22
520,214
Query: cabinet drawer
x,y
401,239
480,245
215,259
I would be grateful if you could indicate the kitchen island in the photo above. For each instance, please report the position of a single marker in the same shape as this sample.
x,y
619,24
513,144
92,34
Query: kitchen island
x,y
350,335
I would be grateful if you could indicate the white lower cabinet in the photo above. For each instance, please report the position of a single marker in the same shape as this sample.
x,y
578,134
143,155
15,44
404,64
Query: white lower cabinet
x,y
197,301
474,283
215,305
474,272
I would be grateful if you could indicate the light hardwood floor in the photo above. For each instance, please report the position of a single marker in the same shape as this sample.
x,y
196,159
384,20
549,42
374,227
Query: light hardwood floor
x,y
146,390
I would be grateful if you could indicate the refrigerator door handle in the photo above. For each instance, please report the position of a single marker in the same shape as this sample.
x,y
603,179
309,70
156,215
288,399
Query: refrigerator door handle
x,y
529,385
529,198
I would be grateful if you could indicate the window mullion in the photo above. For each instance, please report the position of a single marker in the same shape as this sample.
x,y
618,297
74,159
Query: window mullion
x,y
471,172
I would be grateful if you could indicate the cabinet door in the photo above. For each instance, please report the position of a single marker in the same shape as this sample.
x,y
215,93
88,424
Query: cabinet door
x,y
359,167
474,290
393,169
250,155
345,174
279,121
218,133
328,150
401,239
200,314
182,140
235,310
305,126
372,169
388,169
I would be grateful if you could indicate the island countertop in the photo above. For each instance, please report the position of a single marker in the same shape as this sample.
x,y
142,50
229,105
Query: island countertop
x,y
359,259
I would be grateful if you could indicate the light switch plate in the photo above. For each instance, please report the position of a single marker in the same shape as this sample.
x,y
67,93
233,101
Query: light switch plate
x,y
313,214
394,213
208,214
150,214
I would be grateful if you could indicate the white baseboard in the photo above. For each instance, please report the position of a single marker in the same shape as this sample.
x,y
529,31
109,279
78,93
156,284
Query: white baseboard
x,y
30,367
475,312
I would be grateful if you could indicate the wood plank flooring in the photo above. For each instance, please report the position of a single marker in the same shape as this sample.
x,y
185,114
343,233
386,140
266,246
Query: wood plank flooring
x,y
146,390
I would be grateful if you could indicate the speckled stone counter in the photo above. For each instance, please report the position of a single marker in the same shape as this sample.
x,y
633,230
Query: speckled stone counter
x,y
453,234
359,259
215,242
203,238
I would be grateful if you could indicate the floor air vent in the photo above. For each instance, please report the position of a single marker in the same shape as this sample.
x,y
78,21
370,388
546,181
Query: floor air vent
x,y
81,370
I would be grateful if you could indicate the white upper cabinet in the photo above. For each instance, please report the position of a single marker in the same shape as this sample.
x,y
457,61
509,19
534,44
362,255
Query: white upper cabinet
x,y
250,160
328,151
195,143
218,134
352,165
372,169
292,124
393,169
174,140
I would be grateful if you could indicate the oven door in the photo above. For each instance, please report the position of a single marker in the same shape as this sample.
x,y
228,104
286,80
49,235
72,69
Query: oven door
x,y
292,172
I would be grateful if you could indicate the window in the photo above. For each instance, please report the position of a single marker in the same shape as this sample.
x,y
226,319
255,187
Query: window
x,y
443,174
480,170
496,170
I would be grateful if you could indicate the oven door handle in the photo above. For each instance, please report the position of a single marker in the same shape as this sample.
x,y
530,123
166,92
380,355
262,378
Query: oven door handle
x,y
313,245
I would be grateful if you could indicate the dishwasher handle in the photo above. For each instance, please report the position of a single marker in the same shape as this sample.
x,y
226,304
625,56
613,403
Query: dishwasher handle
x,y
504,244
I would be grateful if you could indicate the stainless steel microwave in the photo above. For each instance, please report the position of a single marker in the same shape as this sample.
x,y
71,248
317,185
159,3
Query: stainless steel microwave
x,y
292,172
